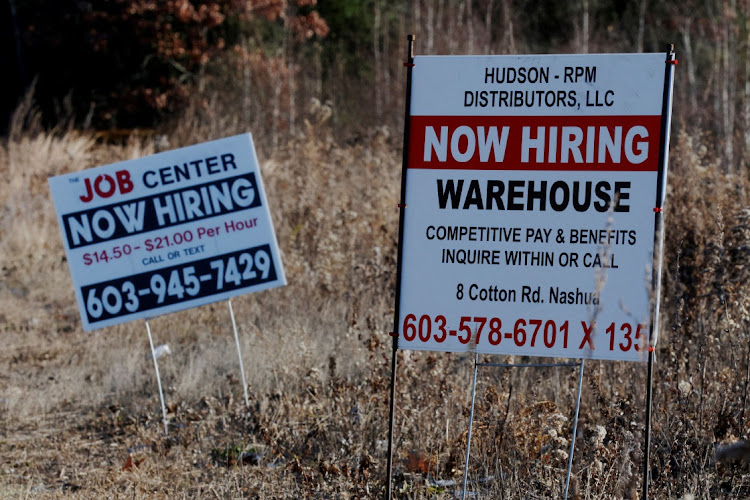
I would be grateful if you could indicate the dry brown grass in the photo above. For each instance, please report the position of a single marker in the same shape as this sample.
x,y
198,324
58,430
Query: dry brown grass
x,y
79,413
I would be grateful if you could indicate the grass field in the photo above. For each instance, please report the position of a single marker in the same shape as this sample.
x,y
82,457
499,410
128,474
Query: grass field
x,y
80,416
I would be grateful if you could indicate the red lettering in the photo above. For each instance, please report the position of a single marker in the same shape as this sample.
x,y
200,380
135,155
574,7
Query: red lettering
x,y
105,186
89,193
98,185
587,330
123,180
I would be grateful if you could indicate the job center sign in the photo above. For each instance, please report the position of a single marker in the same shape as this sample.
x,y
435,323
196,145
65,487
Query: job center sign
x,y
167,232
529,219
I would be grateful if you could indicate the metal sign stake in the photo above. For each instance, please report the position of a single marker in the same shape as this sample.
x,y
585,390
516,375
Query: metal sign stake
x,y
471,422
575,431
402,206
661,187
523,365
158,380
239,353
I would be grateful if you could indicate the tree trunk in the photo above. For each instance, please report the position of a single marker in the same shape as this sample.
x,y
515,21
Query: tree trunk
x,y
585,28
509,45
727,110
378,61
246,86
430,27
454,20
685,32
746,95
470,25
488,27
641,25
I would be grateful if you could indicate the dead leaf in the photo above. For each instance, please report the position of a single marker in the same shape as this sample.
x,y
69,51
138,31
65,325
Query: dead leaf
x,y
416,462
131,464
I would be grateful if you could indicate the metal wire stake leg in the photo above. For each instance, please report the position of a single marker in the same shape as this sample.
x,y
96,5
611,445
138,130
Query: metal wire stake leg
x,y
239,353
471,422
158,380
575,431
661,190
397,308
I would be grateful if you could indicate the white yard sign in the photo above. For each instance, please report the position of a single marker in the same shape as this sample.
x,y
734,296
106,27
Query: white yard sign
x,y
167,232
530,191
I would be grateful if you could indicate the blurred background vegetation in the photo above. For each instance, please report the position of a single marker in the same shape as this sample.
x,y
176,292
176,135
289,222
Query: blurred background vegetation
x,y
124,64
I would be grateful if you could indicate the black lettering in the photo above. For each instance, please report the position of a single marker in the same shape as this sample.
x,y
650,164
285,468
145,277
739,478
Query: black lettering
x,y
227,159
182,173
495,190
577,204
602,192
562,205
146,182
489,75
515,192
540,195
211,164
167,175
474,196
450,191
621,196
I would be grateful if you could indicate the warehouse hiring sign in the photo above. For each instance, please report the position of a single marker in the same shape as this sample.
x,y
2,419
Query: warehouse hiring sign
x,y
167,232
530,189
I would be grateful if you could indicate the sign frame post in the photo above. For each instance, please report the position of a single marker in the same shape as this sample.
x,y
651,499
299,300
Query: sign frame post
x,y
239,353
580,364
575,431
409,64
661,189
158,380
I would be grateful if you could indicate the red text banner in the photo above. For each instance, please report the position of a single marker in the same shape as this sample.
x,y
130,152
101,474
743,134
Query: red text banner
x,y
618,143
